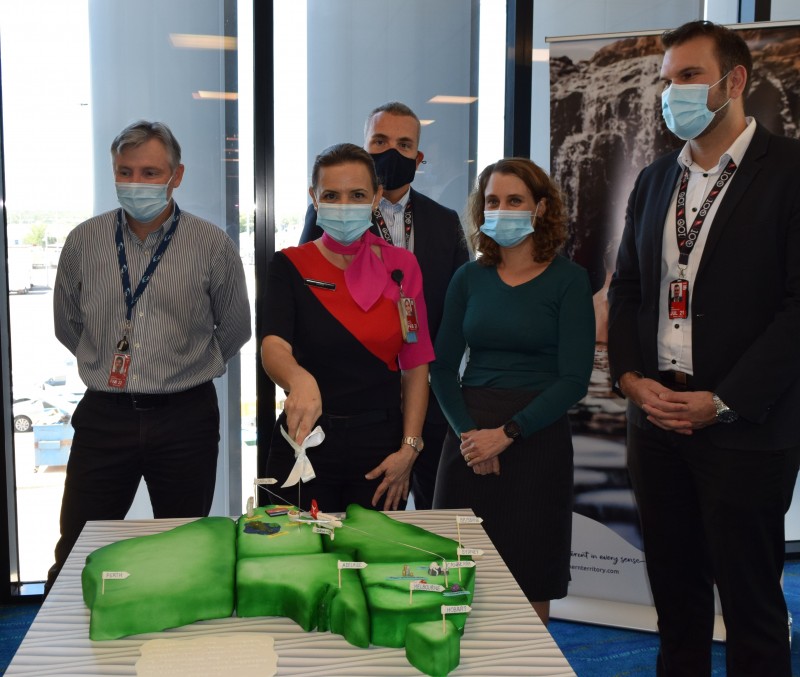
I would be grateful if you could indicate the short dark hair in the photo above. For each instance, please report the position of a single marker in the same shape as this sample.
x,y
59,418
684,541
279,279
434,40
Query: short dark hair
x,y
393,108
342,153
551,227
731,48
141,132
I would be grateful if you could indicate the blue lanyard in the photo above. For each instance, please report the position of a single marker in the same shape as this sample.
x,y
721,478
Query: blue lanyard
x,y
130,300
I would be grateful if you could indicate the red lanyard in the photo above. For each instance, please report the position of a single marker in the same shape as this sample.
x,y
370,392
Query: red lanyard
x,y
687,237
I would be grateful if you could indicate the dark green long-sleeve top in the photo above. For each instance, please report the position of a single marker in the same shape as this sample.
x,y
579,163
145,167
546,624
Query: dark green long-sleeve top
x,y
537,336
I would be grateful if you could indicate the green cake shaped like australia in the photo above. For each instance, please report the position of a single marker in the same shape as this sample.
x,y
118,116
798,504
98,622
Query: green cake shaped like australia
x,y
271,565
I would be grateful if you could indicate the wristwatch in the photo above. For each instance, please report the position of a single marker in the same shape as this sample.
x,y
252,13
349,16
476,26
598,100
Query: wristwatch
x,y
512,430
415,443
724,413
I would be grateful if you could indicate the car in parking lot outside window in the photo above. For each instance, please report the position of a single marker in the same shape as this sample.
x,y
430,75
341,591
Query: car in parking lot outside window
x,y
33,411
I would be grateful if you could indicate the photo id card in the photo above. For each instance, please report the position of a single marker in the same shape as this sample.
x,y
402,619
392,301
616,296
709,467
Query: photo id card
x,y
119,370
678,300
408,318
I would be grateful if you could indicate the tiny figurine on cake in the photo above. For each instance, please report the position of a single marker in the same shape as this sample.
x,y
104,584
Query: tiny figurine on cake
x,y
434,569
406,571
455,589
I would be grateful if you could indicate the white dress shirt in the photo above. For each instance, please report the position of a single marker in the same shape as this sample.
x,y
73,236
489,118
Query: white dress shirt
x,y
393,214
675,336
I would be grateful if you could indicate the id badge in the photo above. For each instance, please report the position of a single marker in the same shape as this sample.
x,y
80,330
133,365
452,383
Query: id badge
x,y
678,301
408,318
119,370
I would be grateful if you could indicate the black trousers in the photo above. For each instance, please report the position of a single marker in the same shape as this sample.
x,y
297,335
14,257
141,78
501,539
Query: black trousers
x,y
712,515
353,446
172,443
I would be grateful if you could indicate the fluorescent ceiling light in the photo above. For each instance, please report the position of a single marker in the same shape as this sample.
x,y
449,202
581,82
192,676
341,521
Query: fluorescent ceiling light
x,y
190,41
444,98
425,123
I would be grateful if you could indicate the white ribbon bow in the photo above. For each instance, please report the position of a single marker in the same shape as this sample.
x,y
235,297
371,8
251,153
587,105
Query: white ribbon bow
x,y
302,469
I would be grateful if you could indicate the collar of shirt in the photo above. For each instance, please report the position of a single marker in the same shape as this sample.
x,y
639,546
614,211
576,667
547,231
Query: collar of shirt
x,y
395,206
394,215
154,237
736,151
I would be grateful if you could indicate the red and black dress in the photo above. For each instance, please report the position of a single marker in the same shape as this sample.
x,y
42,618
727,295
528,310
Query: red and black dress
x,y
355,356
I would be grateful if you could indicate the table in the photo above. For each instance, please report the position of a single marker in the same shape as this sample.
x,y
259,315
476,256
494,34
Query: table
x,y
503,635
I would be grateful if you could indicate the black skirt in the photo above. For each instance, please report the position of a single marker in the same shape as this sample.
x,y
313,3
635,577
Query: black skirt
x,y
527,509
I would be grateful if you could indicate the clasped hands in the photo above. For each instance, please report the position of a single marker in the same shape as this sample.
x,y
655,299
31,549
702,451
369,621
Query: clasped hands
x,y
481,449
681,412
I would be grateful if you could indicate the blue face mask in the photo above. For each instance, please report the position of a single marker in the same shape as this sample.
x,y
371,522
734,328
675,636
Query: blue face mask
x,y
507,227
685,109
345,223
143,201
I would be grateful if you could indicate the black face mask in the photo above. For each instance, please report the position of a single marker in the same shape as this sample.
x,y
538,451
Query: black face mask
x,y
394,169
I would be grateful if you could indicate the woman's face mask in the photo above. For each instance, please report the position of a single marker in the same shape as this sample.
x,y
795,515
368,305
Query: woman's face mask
x,y
509,227
345,223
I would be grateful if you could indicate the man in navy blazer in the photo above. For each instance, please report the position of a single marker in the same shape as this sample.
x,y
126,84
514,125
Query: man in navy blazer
x,y
713,385
431,231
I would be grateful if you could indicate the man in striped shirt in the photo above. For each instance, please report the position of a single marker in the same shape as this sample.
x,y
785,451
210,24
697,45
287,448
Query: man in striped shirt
x,y
153,303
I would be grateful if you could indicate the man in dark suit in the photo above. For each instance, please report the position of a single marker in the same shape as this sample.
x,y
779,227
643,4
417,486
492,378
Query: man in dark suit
x,y
431,231
713,387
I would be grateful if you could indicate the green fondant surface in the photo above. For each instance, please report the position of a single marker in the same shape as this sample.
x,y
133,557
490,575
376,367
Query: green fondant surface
x,y
306,589
292,539
176,577
375,537
191,573
432,650
388,600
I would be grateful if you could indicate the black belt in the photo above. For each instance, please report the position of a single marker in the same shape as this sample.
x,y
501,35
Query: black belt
x,y
144,401
679,378
334,422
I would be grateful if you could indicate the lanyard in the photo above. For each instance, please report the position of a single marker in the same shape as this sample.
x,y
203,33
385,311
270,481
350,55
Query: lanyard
x,y
379,221
130,300
687,237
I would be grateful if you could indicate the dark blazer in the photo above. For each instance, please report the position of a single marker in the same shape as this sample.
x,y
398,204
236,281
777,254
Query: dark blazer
x,y
745,298
440,248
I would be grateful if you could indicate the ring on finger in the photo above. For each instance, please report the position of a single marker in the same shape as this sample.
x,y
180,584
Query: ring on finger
x,y
466,457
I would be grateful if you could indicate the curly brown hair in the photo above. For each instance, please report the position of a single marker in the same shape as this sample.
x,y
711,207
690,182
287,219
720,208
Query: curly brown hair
x,y
551,227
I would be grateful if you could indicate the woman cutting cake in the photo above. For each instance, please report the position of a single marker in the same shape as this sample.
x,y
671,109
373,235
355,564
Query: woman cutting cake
x,y
346,336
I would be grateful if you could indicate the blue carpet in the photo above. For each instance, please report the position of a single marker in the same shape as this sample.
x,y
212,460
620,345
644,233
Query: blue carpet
x,y
596,651
592,650
14,623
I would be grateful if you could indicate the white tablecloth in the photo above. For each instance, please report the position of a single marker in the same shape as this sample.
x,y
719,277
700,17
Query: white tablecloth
x,y
503,635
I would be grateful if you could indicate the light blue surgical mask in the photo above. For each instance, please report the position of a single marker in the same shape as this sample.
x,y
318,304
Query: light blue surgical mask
x,y
143,201
685,109
507,227
345,223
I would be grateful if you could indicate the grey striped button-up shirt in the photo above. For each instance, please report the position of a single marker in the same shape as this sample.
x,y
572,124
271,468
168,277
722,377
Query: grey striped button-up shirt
x,y
191,319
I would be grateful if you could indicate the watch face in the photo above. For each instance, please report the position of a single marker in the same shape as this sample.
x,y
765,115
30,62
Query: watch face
x,y
512,430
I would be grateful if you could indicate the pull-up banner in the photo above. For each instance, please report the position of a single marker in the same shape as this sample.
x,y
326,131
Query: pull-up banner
x,y
605,127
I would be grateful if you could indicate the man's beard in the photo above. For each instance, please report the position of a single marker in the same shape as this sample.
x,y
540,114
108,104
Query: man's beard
x,y
722,109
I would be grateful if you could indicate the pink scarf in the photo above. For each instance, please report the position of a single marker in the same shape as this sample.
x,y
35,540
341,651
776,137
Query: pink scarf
x,y
366,275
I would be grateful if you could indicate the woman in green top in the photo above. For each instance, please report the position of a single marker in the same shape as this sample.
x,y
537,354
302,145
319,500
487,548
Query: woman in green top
x,y
525,315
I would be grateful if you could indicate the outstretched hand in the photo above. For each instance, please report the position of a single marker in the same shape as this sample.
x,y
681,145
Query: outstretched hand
x,y
396,471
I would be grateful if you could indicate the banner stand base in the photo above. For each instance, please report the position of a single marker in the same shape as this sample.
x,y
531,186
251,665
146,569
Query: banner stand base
x,y
615,614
